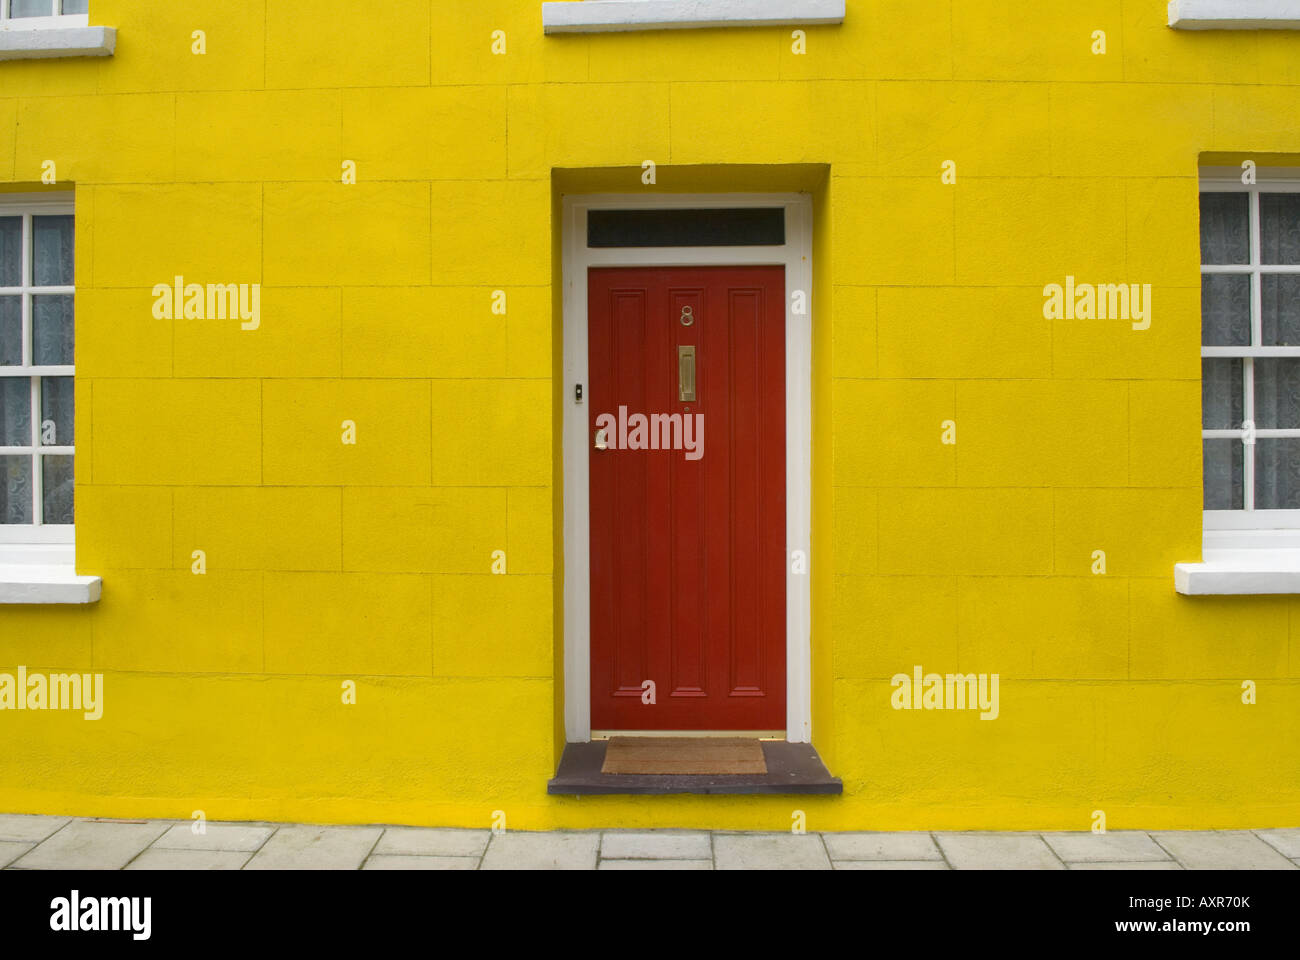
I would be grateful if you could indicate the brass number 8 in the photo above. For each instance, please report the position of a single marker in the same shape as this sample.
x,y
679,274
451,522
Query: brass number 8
x,y
688,316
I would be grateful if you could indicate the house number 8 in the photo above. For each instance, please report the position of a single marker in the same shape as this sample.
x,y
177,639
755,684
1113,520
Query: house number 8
x,y
688,316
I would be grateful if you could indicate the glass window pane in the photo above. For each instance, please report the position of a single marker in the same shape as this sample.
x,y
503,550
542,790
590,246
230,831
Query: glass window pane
x,y
15,489
1277,394
1279,228
1222,397
57,421
1280,306
76,6
1224,488
1277,474
11,251
11,331
56,489
1225,228
15,412
52,332
31,8
742,226
1225,310
52,251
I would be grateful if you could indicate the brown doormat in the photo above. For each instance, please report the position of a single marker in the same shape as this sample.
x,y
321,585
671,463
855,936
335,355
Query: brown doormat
x,y
684,755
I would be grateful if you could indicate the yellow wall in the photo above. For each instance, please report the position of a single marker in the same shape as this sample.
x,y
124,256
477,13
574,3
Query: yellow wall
x,y
372,562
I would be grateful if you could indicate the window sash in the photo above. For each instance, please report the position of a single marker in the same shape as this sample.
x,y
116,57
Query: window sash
x,y
36,532
1248,516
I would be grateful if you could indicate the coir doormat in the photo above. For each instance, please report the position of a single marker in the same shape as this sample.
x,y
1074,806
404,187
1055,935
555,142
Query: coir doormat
x,y
684,755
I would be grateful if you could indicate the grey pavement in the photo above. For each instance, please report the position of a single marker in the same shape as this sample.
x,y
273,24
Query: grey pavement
x,y
71,843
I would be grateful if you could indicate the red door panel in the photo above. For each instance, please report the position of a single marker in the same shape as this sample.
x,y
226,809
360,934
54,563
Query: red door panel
x,y
687,540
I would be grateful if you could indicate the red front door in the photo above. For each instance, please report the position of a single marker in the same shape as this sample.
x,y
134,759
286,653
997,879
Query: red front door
x,y
687,397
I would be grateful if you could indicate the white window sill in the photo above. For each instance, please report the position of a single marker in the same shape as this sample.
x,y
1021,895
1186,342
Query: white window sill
x,y
47,42
1234,14
599,16
46,583
1241,561
44,573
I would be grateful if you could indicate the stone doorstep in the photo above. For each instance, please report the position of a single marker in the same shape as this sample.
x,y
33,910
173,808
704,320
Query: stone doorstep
x,y
792,768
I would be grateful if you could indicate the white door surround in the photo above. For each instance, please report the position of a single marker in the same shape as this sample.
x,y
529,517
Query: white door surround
x,y
796,256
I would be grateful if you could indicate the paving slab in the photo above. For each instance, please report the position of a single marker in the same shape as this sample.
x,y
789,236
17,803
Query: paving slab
x,y
1285,842
156,858
656,845
998,851
881,846
400,862
235,837
656,865
769,851
432,842
889,865
1127,865
93,845
11,850
29,829
1101,847
55,842
1222,850
301,847
542,851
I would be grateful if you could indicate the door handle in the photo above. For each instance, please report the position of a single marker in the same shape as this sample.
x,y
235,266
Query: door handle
x,y
601,440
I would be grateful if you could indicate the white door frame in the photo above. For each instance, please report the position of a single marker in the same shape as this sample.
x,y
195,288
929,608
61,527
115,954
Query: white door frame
x,y
796,257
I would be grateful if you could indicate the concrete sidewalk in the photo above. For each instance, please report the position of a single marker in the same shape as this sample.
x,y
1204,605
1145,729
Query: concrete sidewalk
x,y
62,843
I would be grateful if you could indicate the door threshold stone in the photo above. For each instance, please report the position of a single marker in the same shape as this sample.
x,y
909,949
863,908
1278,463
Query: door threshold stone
x,y
792,768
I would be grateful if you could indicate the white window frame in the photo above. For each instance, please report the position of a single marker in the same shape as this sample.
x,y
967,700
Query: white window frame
x,y
38,561
1248,518
796,257
1247,551
35,533
58,20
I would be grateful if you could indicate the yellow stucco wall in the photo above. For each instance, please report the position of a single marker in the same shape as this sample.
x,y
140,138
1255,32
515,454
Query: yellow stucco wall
x,y
372,562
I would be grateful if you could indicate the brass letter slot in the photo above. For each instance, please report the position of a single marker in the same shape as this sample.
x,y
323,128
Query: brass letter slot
x,y
686,374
